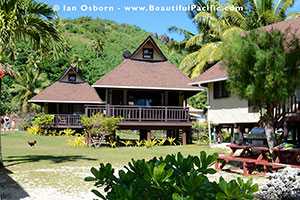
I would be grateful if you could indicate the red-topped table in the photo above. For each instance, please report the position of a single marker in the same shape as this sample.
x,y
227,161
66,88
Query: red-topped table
x,y
250,156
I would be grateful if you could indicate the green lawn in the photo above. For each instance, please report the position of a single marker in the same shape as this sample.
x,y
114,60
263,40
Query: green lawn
x,y
53,164
53,151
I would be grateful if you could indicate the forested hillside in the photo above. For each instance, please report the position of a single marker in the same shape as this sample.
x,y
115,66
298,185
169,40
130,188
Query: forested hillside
x,y
94,45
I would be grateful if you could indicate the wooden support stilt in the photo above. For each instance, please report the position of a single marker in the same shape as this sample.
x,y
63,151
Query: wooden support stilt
x,y
148,135
183,138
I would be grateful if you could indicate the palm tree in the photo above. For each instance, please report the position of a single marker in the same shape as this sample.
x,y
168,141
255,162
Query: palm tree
x,y
28,81
27,20
220,25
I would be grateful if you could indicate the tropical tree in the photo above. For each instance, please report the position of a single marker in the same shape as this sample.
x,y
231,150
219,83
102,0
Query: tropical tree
x,y
263,68
98,46
27,20
221,24
30,21
28,81
4,70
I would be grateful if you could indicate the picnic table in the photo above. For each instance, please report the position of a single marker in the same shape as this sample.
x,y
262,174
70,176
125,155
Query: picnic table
x,y
287,156
250,157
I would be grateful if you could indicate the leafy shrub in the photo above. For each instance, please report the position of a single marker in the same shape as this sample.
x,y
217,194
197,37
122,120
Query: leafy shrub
x,y
40,124
226,136
127,143
113,144
100,124
67,132
34,130
139,143
173,177
200,133
161,141
77,141
43,120
150,143
171,140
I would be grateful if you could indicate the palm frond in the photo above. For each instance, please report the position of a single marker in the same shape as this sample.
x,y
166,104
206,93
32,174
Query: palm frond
x,y
195,40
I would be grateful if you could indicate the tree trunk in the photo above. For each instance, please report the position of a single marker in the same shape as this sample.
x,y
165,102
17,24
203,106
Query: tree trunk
x,y
269,130
1,160
269,127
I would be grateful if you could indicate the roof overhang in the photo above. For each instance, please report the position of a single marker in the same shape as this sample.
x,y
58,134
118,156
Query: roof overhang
x,y
60,101
199,83
148,88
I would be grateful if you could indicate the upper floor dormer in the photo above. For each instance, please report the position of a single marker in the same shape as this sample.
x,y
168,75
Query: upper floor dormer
x,y
148,51
72,75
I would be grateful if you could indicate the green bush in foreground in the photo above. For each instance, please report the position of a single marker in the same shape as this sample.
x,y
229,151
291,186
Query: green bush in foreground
x,y
173,177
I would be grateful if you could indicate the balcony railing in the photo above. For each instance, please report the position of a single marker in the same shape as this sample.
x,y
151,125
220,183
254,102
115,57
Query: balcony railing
x,y
142,113
127,113
67,120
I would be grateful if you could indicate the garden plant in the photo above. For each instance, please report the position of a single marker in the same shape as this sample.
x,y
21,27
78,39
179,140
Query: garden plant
x,y
172,177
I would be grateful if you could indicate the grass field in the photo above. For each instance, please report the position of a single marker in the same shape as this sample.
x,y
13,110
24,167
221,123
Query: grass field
x,y
60,169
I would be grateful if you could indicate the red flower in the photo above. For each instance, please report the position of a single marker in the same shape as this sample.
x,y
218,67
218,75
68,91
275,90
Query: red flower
x,y
2,73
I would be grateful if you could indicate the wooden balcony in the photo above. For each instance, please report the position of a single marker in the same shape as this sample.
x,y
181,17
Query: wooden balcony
x,y
142,113
132,116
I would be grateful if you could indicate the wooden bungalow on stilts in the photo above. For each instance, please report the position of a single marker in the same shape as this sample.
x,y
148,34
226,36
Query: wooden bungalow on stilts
x,y
67,98
149,93
145,90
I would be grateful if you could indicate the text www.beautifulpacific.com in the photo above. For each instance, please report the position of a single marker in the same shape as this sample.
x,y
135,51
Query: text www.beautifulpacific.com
x,y
144,8
179,8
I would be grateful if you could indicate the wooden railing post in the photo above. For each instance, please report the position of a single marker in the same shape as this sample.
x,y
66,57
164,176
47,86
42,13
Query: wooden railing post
x,y
140,114
166,113
108,110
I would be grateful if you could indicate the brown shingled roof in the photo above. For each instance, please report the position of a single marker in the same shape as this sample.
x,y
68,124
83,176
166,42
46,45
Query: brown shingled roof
x,y
146,75
218,71
62,92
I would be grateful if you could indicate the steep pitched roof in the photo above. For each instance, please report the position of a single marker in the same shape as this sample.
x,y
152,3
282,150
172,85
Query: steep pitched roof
x,y
135,73
218,71
64,91
146,75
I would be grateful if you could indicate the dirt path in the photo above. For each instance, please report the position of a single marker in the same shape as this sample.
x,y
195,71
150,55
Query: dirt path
x,y
62,183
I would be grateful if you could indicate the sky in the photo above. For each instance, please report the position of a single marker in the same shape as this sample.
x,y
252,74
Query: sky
x,y
118,10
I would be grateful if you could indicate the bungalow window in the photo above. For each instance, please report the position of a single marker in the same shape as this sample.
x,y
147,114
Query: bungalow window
x,y
148,53
72,77
220,90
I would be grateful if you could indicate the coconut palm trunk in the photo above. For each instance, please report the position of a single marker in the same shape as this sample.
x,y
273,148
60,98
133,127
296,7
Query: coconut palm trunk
x,y
1,159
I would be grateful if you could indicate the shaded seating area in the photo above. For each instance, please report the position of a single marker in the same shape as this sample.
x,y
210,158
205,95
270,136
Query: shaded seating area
x,y
250,157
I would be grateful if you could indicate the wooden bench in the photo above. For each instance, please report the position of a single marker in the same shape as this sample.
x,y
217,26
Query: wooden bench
x,y
247,162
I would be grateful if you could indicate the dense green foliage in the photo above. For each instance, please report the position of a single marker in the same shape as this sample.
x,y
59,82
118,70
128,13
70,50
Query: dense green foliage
x,y
173,177
100,124
263,68
199,100
200,132
260,69
214,26
43,120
